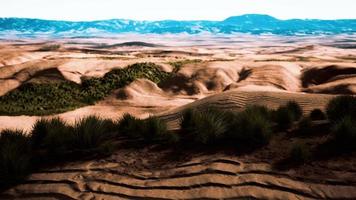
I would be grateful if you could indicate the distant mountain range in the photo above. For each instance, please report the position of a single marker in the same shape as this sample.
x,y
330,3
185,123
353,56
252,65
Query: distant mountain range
x,y
251,23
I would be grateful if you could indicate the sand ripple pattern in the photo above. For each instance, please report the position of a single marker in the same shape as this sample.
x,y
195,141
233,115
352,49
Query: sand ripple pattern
x,y
222,178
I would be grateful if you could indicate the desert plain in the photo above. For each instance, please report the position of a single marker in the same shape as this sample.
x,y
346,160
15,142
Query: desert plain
x,y
227,72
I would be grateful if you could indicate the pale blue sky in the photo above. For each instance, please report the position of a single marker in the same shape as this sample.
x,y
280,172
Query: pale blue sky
x,y
175,9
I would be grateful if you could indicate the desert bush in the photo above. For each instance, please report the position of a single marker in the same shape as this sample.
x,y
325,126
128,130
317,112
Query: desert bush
x,y
341,106
259,110
285,115
305,126
317,114
344,135
15,156
53,135
92,132
295,109
130,126
299,153
153,128
206,126
251,127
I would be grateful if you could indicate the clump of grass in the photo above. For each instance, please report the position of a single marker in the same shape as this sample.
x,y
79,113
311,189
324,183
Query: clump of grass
x,y
344,135
204,127
154,129
58,138
92,132
295,109
285,115
299,154
317,114
151,129
130,126
15,156
305,126
251,127
53,135
341,106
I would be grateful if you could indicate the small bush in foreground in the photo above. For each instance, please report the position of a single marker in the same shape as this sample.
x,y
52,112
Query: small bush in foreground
x,y
305,126
283,117
344,135
317,114
251,127
299,154
295,109
205,126
15,156
156,129
151,129
341,106
53,135
130,126
91,132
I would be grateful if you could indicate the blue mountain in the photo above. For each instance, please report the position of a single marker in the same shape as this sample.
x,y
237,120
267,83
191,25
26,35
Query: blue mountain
x,y
251,23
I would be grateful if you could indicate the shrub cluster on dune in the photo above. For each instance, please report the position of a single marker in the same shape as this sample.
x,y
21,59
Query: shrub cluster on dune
x,y
52,140
38,99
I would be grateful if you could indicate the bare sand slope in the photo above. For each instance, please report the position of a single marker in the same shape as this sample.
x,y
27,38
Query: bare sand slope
x,y
146,174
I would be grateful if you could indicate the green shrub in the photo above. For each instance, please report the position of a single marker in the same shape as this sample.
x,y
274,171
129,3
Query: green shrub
x,y
39,132
305,126
53,135
299,153
37,99
15,156
251,127
317,114
344,135
92,132
294,108
205,126
130,126
153,128
341,106
262,111
283,117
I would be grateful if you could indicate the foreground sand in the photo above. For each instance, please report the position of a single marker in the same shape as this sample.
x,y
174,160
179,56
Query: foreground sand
x,y
233,72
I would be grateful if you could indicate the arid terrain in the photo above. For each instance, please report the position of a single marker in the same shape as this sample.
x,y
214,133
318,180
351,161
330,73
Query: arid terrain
x,y
227,72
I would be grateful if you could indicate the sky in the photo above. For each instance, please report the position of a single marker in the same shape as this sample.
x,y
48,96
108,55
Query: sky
x,y
86,10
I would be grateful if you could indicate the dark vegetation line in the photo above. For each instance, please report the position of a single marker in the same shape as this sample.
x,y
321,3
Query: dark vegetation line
x,y
51,98
53,141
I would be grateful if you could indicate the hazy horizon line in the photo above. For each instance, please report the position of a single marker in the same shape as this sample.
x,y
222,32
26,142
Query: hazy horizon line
x,y
168,19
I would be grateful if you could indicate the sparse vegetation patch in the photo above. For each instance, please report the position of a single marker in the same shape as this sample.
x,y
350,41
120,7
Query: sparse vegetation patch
x,y
50,98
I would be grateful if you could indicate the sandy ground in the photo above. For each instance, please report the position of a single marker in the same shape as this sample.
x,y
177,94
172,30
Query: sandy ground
x,y
234,71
